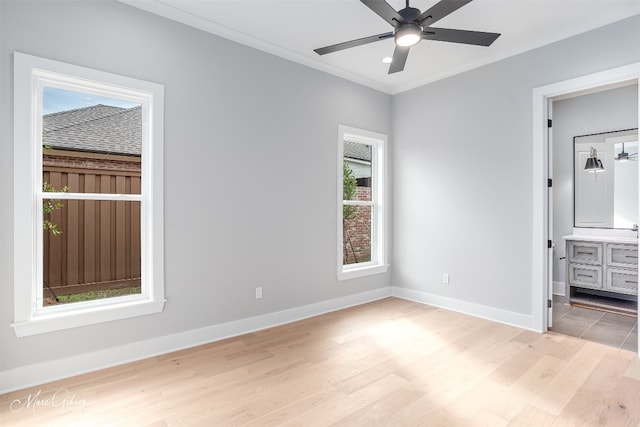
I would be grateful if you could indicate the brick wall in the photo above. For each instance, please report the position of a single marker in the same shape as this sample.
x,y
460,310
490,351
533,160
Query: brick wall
x,y
357,232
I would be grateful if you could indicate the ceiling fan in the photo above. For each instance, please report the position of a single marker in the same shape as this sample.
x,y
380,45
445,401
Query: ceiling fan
x,y
623,156
410,26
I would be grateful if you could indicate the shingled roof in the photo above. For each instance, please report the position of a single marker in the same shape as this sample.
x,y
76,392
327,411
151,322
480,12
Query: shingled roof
x,y
97,129
357,151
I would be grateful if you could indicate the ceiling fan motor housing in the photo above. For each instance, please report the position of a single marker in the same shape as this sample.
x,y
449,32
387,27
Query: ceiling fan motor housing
x,y
408,14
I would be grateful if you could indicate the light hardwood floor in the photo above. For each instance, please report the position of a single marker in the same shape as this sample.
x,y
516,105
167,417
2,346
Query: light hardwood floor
x,y
391,362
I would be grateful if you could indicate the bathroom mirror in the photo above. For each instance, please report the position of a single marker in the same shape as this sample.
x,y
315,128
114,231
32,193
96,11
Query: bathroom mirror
x,y
606,196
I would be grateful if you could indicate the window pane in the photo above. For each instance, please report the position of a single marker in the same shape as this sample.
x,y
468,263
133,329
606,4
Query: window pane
x,y
91,144
91,250
356,240
357,171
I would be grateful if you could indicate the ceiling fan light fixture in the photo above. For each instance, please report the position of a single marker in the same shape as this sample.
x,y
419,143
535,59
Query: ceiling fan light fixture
x,y
408,34
622,157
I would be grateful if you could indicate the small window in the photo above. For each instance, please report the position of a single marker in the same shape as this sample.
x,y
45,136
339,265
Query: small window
x,y
87,196
362,211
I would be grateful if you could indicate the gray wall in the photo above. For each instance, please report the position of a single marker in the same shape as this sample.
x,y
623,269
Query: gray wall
x,y
463,170
250,168
605,111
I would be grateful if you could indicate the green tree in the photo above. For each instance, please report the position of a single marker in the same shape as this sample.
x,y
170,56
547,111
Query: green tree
x,y
50,205
349,185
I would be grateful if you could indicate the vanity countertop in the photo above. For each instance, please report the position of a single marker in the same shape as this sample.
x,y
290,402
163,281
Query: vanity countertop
x,y
604,239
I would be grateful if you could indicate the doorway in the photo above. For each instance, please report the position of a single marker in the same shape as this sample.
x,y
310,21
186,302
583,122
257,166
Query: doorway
x,y
543,98
603,203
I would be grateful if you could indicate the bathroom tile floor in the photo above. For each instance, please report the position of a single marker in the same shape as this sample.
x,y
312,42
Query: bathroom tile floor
x,y
612,329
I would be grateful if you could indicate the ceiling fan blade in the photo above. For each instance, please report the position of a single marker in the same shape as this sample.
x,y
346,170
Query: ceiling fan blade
x,y
478,38
352,43
399,59
439,11
384,11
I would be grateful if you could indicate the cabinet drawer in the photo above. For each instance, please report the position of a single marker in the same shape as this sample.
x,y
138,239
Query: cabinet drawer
x,y
622,281
585,252
585,276
622,255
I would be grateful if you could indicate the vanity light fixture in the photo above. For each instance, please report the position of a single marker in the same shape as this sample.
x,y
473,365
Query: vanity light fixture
x,y
594,164
623,156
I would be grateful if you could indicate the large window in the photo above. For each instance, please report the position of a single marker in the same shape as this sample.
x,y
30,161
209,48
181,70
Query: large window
x,y
87,196
361,208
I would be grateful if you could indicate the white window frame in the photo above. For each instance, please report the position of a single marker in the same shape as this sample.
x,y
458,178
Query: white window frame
x,y
31,73
379,191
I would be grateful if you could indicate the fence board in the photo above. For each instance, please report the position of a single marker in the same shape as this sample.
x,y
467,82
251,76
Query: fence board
x,y
136,188
73,233
90,236
120,231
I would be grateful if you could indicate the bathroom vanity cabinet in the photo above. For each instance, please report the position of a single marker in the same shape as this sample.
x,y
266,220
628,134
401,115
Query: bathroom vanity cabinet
x,y
602,264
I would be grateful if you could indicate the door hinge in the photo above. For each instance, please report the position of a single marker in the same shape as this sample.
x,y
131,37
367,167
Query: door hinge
x,y
549,183
549,123
549,302
549,244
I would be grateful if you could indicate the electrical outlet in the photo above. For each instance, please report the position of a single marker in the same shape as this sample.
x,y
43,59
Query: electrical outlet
x,y
445,278
259,292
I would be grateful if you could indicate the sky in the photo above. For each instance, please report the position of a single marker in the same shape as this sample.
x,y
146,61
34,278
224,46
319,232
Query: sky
x,y
55,100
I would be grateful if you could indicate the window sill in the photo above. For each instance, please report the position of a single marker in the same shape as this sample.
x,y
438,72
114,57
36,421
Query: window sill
x,y
362,271
59,321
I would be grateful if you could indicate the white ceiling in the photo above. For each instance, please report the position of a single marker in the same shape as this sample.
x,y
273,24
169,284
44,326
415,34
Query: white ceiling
x,y
293,28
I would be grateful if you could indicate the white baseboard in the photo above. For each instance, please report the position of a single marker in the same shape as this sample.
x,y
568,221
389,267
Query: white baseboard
x,y
40,373
559,288
485,312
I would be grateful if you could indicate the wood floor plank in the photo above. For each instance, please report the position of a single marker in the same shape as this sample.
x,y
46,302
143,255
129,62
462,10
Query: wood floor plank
x,y
562,389
474,403
487,419
607,397
294,409
633,371
512,369
383,410
391,362
344,405
532,416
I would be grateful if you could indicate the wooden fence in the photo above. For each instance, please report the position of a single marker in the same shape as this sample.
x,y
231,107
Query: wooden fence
x,y
99,247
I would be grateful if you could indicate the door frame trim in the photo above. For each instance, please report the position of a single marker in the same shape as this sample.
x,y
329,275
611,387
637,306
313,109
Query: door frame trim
x,y
540,226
